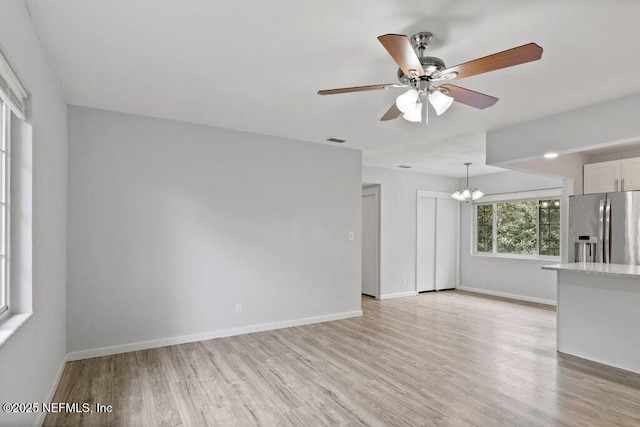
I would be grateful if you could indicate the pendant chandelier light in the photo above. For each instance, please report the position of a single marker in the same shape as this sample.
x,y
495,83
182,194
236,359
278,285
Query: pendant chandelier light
x,y
467,193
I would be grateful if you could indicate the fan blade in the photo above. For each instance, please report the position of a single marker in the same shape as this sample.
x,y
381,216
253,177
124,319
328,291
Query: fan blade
x,y
391,114
468,97
401,51
508,58
358,89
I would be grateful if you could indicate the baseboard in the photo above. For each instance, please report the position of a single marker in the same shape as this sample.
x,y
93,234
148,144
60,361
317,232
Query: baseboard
x,y
398,295
508,295
162,342
604,364
52,391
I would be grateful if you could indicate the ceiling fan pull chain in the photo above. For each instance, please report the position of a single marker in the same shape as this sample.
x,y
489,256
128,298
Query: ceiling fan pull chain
x,y
426,110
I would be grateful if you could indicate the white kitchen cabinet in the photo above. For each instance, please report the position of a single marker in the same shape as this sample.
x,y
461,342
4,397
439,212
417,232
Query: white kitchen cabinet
x,y
603,177
630,170
612,176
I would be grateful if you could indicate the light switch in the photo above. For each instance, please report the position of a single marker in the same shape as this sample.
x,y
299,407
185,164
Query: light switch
x,y
352,235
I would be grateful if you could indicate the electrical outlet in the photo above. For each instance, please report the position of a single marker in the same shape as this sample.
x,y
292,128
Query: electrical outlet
x,y
352,235
404,280
238,308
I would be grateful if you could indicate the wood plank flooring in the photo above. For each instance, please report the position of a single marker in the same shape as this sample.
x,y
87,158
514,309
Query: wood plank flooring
x,y
448,358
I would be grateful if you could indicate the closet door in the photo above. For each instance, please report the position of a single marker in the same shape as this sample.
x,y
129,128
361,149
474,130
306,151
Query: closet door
x,y
426,244
437,244
446,243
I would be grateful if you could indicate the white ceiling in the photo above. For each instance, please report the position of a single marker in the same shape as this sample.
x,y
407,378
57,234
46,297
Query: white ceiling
x,y
256,65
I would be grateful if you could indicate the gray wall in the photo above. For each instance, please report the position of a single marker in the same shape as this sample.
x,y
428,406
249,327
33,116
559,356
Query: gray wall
x,y
520,278
31,359
398,192
172,224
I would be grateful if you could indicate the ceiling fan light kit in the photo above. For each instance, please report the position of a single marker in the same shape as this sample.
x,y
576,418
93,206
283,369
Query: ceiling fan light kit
x,y
414,113
407,100
440,101
423,74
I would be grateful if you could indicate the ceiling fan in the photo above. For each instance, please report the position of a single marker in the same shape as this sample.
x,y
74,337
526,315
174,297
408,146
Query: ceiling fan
x,y
424,75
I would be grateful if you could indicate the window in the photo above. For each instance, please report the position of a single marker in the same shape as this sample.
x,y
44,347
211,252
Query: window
x,y
528,228
12,105
4,207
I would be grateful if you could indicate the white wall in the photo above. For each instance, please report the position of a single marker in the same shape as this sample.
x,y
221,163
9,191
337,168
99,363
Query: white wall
x,y
30,360
520,278
605,123
398,190
566,165
172,224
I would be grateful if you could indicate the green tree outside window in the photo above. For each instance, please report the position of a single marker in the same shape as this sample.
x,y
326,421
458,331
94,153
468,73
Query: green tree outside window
x,y
528,227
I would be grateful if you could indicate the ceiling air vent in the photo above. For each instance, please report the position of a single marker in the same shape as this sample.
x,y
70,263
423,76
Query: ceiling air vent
x,y
405,167
336,140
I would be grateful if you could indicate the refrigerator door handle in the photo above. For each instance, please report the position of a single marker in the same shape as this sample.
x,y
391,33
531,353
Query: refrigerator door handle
x,y
600,256
607,232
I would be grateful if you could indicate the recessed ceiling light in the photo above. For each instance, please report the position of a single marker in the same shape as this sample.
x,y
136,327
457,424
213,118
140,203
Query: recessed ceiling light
x,y
551,155
405,167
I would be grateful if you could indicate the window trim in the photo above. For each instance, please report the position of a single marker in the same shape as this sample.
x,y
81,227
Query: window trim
x,y
5,112
494,199
11,90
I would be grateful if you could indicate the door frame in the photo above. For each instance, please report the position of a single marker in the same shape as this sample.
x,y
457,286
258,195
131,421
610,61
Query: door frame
x,y
374,190
446,196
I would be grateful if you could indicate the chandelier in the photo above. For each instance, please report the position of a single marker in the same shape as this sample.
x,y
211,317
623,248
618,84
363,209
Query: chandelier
x,y
467,193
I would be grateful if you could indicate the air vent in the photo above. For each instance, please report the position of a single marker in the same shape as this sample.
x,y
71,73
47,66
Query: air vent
x,y
336,140
405,167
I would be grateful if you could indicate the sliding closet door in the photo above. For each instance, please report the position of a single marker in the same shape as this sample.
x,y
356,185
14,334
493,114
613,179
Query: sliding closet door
x,y
426,244
436,241
446,243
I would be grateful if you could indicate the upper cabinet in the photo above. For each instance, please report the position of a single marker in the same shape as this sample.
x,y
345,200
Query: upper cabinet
x,y
602,177
616,175
630,174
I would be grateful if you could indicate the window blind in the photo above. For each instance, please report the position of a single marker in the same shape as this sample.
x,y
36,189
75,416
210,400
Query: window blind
x,y
11,90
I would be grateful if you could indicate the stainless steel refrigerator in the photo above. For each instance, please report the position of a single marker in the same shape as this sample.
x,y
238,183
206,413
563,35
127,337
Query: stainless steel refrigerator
x,y
612,218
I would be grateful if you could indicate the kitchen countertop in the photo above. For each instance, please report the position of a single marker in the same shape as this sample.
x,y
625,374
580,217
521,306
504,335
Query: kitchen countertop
x,y
621,270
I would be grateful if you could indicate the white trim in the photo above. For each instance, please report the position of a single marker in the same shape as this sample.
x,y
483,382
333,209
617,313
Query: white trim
x,y
399,295
7,205
494,200
521,195
436,194
458,231
375,190
162,342
11,90
532,257
508,295
52,391
11,324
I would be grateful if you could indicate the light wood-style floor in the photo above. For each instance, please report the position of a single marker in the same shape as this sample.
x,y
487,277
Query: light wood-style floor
x,y
448,358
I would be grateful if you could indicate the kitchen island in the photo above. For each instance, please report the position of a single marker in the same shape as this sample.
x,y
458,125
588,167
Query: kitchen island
x,y
599,312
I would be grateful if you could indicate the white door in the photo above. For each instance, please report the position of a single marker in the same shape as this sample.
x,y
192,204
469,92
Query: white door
x,y
436,241
370,240
426,244
446,243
